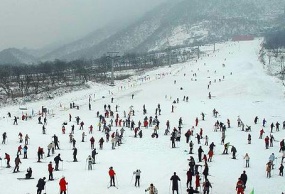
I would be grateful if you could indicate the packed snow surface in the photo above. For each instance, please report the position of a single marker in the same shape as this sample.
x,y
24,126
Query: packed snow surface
x,y
245,91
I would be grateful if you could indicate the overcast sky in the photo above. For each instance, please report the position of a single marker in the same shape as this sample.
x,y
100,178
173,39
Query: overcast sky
x,y
37,23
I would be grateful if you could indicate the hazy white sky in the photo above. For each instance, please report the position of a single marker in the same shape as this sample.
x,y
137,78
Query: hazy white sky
x,y
36,23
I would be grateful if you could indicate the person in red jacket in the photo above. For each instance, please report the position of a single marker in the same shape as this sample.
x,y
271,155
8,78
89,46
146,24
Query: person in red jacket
x,y
240,187
7,157
50,171
266,142
62,185
197,181
112,176
92,140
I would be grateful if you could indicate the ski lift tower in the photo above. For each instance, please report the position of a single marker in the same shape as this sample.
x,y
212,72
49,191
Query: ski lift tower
x,y
112,56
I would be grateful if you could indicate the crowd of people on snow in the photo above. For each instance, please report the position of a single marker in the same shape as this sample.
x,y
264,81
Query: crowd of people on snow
x,y
112,124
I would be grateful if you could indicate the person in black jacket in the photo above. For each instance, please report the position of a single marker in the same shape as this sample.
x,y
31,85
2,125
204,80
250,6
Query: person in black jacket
x,y
74,154
41,185
200,150
174,180
56,160
29,173
206,171
234,151
243,177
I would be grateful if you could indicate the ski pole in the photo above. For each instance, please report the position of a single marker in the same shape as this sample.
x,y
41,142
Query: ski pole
x,y
117,181
169,186
61,165
180,187
132,179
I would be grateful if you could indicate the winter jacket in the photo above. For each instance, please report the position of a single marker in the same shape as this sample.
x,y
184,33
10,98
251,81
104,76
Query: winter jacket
x,y
41,184
111,173
62,184
137,173
175,180
50,168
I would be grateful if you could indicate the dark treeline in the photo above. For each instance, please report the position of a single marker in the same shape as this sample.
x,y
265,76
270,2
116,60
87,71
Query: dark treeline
x,y
275,40
24,80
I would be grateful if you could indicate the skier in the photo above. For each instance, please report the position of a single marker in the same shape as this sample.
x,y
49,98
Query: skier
x,y
263,122
62,185
112,176
249,139
187,135
81,125
19,150
4,137
7,157
277,124
206,186
50,171
29,173
20,137
271,140
246,157
281,168
55,140
56,160
261,133
197,181
234,151
206,171
17,163
40,153
268,169
83,136
174,180
243,177
152,189
210,153
41,185
73,142
91,129
239,187
272,159
138,175
172,138
271,127
189,178
226,147
191,145
15,121
89,161
255,119
43,129
25,149
27,139
266,142
200,150
101,141
74,154
94,153
282,144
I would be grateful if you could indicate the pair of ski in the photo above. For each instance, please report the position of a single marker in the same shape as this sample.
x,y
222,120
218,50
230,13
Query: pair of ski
x,y
112,186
